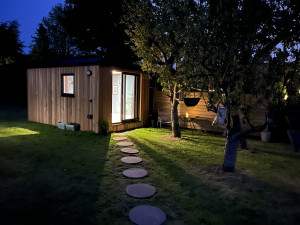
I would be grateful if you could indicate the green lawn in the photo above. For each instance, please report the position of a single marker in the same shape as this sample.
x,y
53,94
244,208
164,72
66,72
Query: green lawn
x,y
50,176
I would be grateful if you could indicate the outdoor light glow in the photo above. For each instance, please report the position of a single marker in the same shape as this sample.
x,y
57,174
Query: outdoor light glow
x,y
187,115
285,97
16,131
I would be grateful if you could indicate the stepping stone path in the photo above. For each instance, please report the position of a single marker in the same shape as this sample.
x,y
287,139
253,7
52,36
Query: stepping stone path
x,y
131,160
123,133
143,214
147,215
125,143
129,150
135,173
120,138
140,190
120,134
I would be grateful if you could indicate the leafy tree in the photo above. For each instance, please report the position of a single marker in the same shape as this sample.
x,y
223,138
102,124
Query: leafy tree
x,y
280,87
40,50
61,43
96,28
10,44
220,46
159,31
231,50
52,34
12,65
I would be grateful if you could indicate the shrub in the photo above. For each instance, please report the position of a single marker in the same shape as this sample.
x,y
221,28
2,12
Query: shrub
x,y
103,126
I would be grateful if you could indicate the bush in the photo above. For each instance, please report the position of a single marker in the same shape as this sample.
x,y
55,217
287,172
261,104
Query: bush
x,y
103,126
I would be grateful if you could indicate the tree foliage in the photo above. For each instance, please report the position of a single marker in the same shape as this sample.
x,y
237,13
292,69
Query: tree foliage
x,y
85,28
10,44
221,46
159,31
52,39
60,42
40,50
233,56
96,28
234,42
281,82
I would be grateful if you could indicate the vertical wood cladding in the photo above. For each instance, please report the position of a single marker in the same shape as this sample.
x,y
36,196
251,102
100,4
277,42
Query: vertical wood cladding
x,y
46,105
162,105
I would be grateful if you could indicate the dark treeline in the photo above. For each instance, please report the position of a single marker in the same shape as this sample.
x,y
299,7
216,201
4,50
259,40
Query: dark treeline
x,y
84,28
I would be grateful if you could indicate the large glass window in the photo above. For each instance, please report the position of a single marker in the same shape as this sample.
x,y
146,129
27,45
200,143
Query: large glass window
x,y
125,97
67,85
129,97
116,97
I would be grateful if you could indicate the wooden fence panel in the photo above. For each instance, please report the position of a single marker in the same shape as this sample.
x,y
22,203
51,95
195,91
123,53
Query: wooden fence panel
x,y
161,105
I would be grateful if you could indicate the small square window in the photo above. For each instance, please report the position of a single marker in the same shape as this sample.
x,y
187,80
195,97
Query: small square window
x,y
67,85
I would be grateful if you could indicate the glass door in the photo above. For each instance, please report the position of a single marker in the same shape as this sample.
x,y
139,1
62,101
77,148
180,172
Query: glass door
x,y
125,97
116,97
129,96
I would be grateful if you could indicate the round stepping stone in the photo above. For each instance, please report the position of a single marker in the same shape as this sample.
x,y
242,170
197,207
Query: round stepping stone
x,y
131,159
123,133
135,173
125,143
140,190
147,215
129,150
120,138
120,134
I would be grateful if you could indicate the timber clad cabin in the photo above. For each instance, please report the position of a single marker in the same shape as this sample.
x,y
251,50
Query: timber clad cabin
x,y
83,94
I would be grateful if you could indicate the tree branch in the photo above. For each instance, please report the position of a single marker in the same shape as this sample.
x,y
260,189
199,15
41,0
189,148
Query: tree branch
x,y
280,37
253,129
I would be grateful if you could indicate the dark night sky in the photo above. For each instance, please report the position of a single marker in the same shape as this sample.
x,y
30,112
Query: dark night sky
x,y
28,13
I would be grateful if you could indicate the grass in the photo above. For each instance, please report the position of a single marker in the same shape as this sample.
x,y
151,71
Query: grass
x,y
264,189
192,189
50,176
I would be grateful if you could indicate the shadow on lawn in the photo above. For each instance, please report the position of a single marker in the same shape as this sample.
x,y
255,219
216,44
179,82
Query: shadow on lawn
x,y
289,154
52,177
245,200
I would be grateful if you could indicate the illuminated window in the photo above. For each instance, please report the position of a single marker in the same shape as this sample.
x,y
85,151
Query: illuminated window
x,y
67,85
125,97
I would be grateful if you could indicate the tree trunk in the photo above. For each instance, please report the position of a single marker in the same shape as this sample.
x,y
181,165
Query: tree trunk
x,y
243,143
232,145
233,140
174,115
230,154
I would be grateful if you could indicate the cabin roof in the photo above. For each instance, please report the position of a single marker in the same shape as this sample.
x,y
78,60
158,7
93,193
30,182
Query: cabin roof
x,y
82,62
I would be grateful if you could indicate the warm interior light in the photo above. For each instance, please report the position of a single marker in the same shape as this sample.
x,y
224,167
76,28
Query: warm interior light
x,y
187,115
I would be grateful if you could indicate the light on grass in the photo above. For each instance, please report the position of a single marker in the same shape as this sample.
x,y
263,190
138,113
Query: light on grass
x,y
16,131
